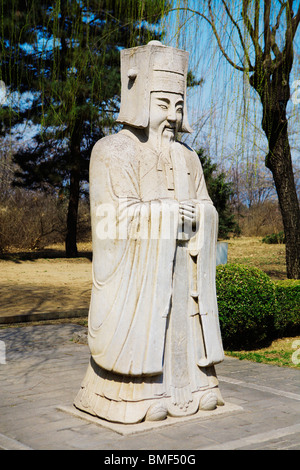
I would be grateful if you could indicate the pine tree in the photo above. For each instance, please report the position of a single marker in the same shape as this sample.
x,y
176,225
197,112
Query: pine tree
x,y
220,192
66,55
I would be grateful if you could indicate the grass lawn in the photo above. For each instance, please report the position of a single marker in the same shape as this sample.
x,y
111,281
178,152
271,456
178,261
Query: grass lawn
x,y
283,352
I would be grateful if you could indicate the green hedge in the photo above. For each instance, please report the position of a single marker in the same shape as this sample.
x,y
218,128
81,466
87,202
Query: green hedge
x,y
253,309
287,317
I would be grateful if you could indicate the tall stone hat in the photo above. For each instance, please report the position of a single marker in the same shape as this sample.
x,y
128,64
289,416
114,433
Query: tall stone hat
x,y
144,69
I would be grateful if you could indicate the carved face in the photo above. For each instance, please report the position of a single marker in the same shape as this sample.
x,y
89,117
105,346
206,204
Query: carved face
x,y
166,114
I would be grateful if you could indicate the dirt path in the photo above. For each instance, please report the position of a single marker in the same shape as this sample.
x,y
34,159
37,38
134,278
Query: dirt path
x,y
44,285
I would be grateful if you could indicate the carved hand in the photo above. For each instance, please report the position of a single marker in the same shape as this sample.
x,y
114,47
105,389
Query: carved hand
x,y
188,216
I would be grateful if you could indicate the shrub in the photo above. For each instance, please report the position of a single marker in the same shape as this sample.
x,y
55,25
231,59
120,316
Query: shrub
x,y
221,192
246,302
287,317
31,220
275,238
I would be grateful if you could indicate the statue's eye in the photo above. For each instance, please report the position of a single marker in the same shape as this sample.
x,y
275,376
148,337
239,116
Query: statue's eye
x,y
163,106
179,110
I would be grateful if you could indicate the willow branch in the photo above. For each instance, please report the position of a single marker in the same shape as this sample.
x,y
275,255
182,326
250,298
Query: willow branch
x,y
237,67
267,32
240,35
213,26
295,22
289,32
247,22
292,23
252,32
191,11
256,21
278,54
274,46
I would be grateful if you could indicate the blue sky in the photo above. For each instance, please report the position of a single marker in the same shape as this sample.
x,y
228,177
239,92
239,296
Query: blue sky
x,y
228,125
225,123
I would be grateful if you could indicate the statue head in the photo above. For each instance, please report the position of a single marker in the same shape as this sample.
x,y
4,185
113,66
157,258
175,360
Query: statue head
x,y
151,69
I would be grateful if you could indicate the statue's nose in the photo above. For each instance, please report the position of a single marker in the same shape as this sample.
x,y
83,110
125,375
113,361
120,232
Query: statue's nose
x,y
172,114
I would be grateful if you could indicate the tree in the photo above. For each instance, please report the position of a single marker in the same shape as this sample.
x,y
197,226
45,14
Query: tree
x,y
265,31
220,192
62,59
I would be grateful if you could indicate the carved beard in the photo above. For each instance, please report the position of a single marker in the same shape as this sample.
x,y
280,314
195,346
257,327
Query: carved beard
x,y
166,135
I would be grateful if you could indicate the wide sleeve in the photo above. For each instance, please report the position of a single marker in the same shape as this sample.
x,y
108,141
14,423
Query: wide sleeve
x,y
202,246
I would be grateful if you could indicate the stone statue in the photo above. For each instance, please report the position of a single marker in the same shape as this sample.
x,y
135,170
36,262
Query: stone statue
x,y
153,331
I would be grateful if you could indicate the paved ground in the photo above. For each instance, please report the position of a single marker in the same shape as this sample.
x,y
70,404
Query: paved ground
x,y
43,369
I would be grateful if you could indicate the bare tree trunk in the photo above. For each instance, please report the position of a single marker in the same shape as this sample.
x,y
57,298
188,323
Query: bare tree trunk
x,y
75,178
274,96
71,237
280,163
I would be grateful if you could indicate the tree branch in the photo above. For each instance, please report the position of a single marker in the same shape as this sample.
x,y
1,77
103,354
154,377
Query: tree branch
x,y
212,23
213,26
289,33
252,32
267,32
292,23
295,22
274,46
240,35
191,11
256,21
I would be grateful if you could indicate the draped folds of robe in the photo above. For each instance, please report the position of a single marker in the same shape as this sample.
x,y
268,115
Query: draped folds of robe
x,y
135,195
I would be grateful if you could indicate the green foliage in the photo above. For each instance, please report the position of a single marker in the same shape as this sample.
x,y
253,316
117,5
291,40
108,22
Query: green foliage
x,y
220,192
287,318
274,238
253,309
246,302
66,56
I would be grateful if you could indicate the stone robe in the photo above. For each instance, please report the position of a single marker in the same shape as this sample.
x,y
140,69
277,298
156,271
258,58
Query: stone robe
x,y
153,320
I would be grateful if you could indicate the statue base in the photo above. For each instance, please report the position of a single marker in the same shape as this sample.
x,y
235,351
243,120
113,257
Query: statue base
x,y
113,399
144,426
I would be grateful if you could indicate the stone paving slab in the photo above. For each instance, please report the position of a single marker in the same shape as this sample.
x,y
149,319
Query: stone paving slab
x,y
43,369
146,426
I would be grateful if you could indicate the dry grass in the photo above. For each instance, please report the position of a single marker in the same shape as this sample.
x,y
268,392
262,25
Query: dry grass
x,y
251,251
243,250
